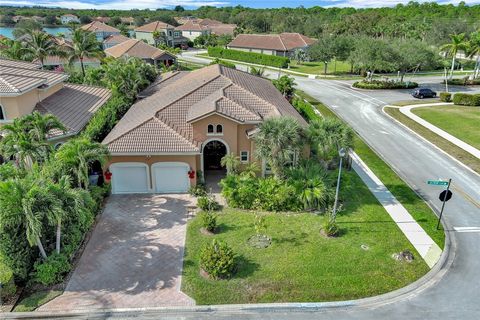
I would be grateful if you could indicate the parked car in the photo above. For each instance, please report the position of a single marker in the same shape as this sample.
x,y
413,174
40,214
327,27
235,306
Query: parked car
x,y
424,93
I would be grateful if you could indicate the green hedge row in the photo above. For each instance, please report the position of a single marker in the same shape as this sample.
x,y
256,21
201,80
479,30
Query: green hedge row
x,y
377,84
465,99
6,279
463,82
304,108
251,57
445,96
106,118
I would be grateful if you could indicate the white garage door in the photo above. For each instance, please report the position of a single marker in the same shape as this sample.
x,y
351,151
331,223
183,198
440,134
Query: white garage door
x,y
129,177
171,177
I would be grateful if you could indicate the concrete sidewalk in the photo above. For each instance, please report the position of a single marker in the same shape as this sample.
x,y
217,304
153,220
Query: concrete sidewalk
x,y
407,110
422,242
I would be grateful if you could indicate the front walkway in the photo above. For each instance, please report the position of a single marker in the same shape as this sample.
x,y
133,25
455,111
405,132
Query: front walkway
x,y
407,110
134,257
422,242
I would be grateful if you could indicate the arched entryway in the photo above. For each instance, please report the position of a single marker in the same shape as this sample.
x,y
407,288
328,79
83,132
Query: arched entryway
x,y
212,154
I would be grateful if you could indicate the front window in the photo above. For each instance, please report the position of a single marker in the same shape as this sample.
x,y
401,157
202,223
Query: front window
x,y
170,33
219,128
244,156
2,114
210,128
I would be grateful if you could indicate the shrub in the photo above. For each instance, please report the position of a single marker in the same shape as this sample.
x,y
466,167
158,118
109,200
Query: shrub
x,y
465,99
9,171
223,63
6,279
466,81
209,221
218,260
208,203
445,96
304,108
378,84
52,270
198,190
251,57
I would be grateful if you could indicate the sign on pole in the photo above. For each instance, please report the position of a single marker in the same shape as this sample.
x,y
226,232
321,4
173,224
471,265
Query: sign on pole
x,y
437,182
445,195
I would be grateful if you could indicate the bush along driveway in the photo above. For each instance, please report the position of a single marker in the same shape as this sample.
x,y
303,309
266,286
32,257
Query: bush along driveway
x,y
134,257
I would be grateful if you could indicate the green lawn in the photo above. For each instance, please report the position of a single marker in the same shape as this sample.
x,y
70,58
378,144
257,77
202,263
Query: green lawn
x,y
404,103
410,200
35,300
301,265
456,152
319,67
461,122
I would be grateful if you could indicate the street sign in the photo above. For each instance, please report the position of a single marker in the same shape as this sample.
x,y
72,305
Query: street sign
x,y
445,195
437,182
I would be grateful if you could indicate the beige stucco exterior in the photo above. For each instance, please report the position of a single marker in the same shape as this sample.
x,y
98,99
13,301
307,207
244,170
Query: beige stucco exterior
x,y
192,35
15,107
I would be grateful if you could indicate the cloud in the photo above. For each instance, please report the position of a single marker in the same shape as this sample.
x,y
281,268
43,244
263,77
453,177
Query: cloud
x,y
386,3
115,4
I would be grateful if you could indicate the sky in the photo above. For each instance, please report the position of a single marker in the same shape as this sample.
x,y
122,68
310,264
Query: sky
x,y
192,4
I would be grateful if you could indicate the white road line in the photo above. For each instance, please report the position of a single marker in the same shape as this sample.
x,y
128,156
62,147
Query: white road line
x,y
467,229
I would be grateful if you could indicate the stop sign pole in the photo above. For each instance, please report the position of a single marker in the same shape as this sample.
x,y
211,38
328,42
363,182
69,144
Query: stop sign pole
x,y
443,203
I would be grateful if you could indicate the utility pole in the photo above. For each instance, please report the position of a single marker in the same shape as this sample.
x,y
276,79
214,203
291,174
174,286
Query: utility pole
x,y
342,154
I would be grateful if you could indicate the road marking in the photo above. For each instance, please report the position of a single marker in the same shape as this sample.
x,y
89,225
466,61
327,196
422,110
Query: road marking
x,y
467,229
465,195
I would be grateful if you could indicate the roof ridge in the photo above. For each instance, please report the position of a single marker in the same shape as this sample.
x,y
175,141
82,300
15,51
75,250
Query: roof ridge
x,y
252,94
235,102
281,41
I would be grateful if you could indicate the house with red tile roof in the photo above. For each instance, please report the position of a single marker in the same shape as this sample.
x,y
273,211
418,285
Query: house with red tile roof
x,y
167,34
185,123
139,49
283,44
101,30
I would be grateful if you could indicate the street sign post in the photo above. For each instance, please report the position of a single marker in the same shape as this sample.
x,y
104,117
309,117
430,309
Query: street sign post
x,y
445,195
438,182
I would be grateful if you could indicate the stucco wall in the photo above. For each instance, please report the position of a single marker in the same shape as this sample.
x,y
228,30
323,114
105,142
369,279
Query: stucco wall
x,y
264,51
191,160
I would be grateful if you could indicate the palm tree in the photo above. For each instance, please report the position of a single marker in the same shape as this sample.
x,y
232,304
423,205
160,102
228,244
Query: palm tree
x,y
285,85
457,44
26,138
474,50
11,49
84,45
329,135
231,162
39,45
26,203
76,155
259,72
277,139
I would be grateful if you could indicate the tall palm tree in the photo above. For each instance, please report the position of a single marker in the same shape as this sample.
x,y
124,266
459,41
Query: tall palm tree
x,y
42,124
39,45
277,139
285,85
456,45
329,135
84,45
474,50
76,155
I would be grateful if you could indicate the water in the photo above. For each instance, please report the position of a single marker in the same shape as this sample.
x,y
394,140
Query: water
x,y
8,31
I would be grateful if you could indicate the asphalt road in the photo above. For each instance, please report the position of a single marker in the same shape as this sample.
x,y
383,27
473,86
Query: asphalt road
x,y
456,295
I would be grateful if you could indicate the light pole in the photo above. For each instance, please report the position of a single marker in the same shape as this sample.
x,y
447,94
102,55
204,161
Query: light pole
x,y
342,154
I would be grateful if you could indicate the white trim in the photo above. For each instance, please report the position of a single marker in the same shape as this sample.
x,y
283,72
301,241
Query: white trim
x,y
131,164
202,162
248,156
167,163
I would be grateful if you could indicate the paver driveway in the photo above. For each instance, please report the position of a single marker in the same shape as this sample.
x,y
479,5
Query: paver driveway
x,y
134,257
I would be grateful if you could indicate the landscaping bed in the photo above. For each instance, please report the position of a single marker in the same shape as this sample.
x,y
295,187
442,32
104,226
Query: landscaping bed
x,y
301,265
383,84
464,82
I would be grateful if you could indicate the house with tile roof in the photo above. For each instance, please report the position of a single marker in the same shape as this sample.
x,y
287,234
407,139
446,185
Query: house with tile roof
x,y
283,44
101,30
24,88
185,123
192,30
69,18
168,35
139,49
113,40
192,27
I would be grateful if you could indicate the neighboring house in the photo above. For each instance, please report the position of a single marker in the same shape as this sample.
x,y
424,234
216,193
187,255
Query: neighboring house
x,y
56,61
101,30
24,88
168,35
192,30
129,21
113,40
139,49
283,44
69,18
186,123
102,19
213,26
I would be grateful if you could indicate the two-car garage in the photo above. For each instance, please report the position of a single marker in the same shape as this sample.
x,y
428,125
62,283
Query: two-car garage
x,y
160,177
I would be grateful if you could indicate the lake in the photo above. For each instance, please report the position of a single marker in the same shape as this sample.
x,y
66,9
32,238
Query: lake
x,y
8,31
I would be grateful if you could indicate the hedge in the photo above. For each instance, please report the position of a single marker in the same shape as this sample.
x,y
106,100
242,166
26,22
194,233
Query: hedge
x,y
465,99
464,82
445,96
377,84
6,279
304,108
251,57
